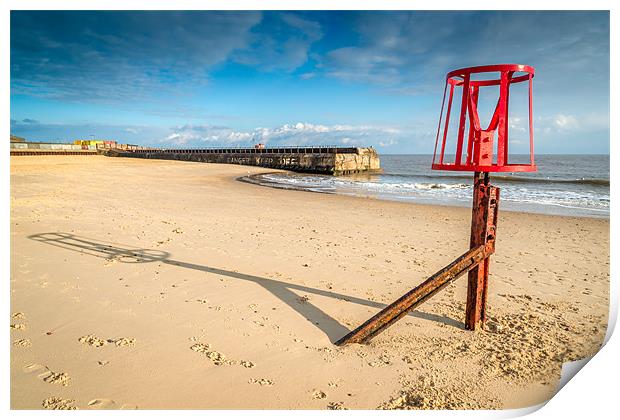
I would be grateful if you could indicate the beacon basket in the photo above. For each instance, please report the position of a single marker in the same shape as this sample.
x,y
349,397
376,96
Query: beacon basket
x,y
477,152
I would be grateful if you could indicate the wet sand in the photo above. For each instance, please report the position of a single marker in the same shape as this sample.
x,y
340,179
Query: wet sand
x,y
161,284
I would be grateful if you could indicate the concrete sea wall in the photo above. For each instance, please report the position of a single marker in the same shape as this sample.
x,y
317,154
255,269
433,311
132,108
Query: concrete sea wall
x,y
324,160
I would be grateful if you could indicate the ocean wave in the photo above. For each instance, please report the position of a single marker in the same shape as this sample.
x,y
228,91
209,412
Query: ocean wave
x,y
392,186
580,181
507,178
434,186
525,197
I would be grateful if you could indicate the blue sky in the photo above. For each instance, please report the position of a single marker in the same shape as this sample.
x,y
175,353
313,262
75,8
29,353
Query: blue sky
x,y
200,78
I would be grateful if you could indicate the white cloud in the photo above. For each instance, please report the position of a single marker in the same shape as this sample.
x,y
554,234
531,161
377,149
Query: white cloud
x,y
517,124
562,123
565,122
238,136
297,134
388,143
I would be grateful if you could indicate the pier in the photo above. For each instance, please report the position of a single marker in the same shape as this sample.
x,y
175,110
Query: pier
x,y
329,160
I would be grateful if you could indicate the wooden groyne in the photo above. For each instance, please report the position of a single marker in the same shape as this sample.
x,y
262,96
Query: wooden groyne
x,y
323,160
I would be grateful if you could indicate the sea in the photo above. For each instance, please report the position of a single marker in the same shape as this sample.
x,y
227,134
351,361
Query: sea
x,y
570,185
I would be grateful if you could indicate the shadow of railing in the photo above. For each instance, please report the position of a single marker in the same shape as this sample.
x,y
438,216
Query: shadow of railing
x,y
282,290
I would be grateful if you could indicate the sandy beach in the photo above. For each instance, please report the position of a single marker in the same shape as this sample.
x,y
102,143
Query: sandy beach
x,y
165,284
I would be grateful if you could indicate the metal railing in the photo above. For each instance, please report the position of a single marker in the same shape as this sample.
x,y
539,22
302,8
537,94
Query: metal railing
x,y
252,150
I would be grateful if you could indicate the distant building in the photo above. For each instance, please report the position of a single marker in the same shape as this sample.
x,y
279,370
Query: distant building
x,y
15,139
100,144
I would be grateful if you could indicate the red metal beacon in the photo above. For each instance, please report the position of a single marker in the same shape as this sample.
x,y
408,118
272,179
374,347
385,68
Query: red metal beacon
x,y
483,151
481,143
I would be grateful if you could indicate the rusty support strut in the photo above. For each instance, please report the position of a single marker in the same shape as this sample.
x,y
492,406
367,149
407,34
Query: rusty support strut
x,y
475,261
417,296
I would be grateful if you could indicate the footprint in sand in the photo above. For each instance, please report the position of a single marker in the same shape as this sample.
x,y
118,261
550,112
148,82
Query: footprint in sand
x,y
246,364
92,340
216,357
57,378
24,343
336,405
108,404
57,403
20,327
18,315
318,395
95,341
261,382
44,373
102,404
123,342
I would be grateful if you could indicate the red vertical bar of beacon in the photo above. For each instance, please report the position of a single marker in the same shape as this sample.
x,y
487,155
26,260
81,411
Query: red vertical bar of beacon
x,y
531,122
464,101
501,132
445,130
443,101
470,138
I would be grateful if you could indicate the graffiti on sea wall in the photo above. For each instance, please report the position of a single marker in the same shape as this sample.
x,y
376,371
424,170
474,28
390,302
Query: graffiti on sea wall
x,y
262,160
239,160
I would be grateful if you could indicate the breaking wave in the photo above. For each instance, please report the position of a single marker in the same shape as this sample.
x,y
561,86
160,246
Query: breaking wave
x,y
552,190
510,178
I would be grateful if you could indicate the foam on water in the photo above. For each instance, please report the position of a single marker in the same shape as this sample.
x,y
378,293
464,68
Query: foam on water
x,y
553,190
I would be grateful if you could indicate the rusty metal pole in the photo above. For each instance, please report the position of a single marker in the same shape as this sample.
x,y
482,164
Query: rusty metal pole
x,y
417,296
483,230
